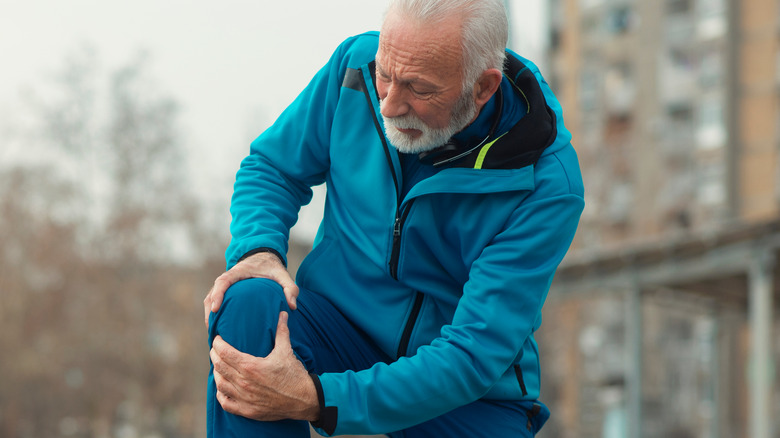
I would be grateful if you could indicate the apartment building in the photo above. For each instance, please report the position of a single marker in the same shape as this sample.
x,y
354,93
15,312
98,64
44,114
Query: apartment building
x,y
663,315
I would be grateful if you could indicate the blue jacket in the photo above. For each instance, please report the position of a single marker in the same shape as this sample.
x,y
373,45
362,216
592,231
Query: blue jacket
x,y
450,279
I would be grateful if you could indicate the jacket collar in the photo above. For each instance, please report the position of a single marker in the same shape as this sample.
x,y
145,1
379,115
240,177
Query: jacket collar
x,y
523,143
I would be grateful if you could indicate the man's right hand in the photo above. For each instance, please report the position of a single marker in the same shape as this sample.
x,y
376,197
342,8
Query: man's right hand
x,y
260,265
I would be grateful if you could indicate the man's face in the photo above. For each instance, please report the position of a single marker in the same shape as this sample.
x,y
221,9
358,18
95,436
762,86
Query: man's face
x,y
420,83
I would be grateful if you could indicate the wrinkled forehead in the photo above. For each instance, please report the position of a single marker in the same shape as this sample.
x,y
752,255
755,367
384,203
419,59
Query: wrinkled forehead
x,y
408,44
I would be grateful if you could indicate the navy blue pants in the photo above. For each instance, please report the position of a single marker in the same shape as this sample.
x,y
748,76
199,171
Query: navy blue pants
x,y
326,342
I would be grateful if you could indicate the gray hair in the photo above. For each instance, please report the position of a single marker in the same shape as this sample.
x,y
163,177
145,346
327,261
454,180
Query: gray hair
x,y
485,29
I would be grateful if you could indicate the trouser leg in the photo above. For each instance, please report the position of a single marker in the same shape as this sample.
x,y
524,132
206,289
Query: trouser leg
x,y
326,342
319,334
247,320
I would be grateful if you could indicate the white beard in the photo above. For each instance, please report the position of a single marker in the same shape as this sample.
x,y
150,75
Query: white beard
x,y
463,114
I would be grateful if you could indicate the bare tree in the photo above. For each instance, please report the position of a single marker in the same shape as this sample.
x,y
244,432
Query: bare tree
x,y
102,321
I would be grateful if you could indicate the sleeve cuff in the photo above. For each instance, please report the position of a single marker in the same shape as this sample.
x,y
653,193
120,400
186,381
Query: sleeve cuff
x,y
259,250
328,415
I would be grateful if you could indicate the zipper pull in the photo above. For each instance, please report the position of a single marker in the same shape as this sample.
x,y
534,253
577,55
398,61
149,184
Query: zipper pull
x,y
396,250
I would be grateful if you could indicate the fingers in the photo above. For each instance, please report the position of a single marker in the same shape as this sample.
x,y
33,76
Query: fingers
x,y
207,306
260,265
216,294
227,394
221,284
278,273
223,356
228,404
224,353
291,292
263,388
268,265
228,365
223,374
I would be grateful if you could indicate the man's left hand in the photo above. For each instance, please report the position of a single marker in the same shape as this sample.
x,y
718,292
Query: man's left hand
x,y
268,388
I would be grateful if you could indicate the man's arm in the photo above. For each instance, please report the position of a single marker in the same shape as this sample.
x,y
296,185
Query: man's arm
x,y
274,182
498,311
289,158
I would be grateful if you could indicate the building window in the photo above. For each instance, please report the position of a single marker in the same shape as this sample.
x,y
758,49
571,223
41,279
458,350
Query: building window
x,y
590,89
619,89
711,69
711,132
587,4
620,20
711,188
712,18
678,77
557,23
620,199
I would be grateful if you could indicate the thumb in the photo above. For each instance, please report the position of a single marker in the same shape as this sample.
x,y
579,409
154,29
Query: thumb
x,y
282,342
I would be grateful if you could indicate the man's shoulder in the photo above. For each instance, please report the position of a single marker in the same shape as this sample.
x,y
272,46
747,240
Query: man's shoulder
x,y
359,49
371,37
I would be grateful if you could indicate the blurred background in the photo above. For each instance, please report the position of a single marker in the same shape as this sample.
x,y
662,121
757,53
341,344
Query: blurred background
x,y
122,125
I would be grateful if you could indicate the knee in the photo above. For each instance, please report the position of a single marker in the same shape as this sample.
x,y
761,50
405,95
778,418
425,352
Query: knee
x,y
253,293
251,305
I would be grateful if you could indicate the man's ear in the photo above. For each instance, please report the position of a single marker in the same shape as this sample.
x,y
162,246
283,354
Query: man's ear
x,y
486,86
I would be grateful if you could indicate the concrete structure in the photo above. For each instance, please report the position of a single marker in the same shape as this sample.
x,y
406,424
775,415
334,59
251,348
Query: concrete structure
x,y
729,271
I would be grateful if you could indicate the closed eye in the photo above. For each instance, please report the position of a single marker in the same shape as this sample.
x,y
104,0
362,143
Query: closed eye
x,y
423,93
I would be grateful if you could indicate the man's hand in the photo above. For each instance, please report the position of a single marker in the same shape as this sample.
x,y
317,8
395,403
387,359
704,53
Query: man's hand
x,y
260,265
272,388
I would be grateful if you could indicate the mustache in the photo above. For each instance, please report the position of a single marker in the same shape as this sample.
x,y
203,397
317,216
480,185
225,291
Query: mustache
x,y
406,121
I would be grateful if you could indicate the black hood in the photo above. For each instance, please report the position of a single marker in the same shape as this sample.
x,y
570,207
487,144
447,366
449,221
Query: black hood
x,y
522,145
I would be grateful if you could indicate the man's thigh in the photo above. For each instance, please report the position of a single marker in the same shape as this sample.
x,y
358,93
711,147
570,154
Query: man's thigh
x,y
326,341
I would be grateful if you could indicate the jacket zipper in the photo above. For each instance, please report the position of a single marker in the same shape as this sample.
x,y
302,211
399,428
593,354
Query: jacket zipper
x,y
398,223
400,218
396,247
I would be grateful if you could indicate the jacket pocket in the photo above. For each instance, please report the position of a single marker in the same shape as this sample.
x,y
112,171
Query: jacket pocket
x,y
520,381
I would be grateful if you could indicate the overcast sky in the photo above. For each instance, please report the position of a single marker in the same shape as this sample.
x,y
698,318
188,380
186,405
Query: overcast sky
x,y
233,65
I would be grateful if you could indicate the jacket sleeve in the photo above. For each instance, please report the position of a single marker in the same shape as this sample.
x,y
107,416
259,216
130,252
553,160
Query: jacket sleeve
x,y
291,156
499,309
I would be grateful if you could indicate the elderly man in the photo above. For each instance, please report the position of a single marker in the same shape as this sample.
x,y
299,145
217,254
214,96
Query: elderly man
x,y
453,193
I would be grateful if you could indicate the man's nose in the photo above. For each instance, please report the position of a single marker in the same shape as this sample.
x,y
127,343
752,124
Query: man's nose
x,y
394,102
